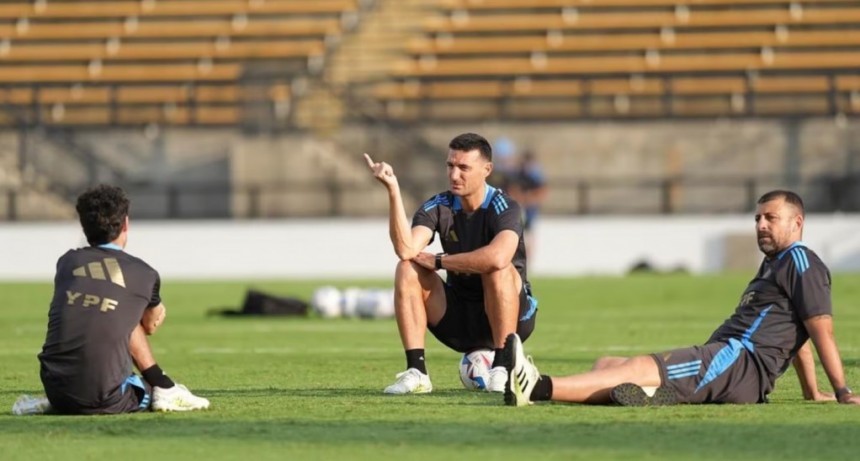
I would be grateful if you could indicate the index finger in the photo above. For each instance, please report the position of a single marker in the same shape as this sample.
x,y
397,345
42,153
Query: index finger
x,y
369,160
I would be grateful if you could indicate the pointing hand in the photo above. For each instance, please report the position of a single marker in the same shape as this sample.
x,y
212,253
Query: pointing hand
x,y
382,172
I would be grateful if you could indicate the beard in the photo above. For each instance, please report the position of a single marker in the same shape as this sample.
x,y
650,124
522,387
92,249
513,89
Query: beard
x,y
766,244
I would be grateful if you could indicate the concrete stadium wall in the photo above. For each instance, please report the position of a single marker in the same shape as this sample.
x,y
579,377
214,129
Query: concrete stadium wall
x,y
779,152
786,152
361,249
308,175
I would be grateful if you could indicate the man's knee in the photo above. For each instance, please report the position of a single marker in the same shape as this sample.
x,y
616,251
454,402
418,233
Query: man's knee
x,y
411,276
608,362
406,272
645,368
503,279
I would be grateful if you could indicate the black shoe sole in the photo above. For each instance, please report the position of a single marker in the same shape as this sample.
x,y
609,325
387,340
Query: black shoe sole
x,y
631,395
508,363
663,397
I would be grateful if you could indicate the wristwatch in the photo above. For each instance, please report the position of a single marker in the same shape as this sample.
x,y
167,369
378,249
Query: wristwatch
x,y
843,392
439,260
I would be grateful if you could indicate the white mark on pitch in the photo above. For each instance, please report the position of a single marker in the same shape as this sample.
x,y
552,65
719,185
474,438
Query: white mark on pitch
x,y
289,350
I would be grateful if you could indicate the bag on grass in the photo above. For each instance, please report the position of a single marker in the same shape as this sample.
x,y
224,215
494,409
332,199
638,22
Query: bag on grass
x,y
259,303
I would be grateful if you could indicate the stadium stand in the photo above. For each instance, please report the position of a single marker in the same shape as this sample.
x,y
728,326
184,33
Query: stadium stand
x,y
286,90
152,8
167,61
621,58
609,58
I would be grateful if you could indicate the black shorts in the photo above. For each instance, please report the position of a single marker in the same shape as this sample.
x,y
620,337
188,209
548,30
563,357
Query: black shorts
x,y
723,372
133,395
465,326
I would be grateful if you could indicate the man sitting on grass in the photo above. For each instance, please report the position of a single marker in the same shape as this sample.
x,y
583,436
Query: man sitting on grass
x,y
105,303
786,304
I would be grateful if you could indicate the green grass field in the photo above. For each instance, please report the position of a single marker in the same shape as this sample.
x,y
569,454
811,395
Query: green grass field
x,y
311,388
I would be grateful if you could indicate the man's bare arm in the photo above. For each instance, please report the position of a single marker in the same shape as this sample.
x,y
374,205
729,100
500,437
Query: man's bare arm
x,y
804,365
153,318
492,257
407,242
820,329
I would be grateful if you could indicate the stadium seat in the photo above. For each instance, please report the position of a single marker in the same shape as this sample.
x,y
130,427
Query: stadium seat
x,y
87,56
169,29
534,4
155,51
559,65
196,8
641,86
140,114
621,20
104,94
207,104
560,43
119,73
624,56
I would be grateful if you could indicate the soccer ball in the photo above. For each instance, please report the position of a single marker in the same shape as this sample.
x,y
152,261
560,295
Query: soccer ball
x,y
375,304
326,302
349,302
385,304
475,369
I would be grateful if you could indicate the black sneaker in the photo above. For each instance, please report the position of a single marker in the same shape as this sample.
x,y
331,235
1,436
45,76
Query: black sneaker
x,y
631,395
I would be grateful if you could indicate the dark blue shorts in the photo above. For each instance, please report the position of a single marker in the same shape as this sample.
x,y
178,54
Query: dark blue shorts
x,y
721,372
133,395
465,326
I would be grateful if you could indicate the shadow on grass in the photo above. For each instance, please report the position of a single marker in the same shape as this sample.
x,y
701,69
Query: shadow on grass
x,y
439,397
327,392
324,393
851,363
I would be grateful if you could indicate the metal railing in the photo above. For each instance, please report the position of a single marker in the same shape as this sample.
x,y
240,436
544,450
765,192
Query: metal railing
x,y
332,198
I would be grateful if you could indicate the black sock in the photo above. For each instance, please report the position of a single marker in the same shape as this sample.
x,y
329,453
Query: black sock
x,y
497,359
542,390
156,377
415,359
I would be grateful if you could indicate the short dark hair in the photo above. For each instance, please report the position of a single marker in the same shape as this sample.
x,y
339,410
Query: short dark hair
x,y
470,141
102,210
787,195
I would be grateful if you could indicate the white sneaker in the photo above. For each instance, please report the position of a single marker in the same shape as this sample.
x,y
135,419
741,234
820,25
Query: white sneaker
x,y
410,381
177,398
498,379
522,373
29,405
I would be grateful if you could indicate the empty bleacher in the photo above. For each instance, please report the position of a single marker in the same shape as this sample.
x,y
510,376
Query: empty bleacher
x,y
79,60
625,58
167,61
159,8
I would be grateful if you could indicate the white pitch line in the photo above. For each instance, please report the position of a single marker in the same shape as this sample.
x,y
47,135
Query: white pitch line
x,y
290,350
366,327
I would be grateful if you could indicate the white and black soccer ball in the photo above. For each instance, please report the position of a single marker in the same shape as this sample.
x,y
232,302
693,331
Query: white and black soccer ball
x,y
475,369
326,302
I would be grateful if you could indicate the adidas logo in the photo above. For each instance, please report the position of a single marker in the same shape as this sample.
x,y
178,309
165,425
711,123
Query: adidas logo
x,y
105,269
522,379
